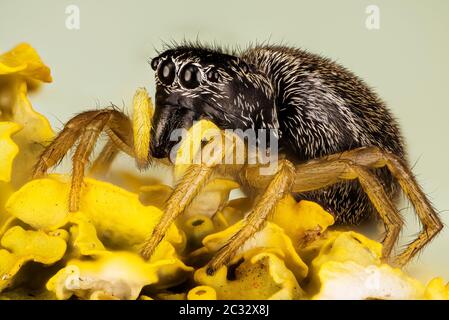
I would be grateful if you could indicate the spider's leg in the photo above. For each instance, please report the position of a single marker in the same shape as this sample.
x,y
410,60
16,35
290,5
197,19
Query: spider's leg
x,y
277,188
320,173
62,143
190,184
104,160
188,187
86,144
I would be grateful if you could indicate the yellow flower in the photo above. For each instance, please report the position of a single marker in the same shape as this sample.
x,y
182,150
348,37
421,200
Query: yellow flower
x,y
109,217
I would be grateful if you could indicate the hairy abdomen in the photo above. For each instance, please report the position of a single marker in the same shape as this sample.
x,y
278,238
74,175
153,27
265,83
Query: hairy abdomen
x,y
324,108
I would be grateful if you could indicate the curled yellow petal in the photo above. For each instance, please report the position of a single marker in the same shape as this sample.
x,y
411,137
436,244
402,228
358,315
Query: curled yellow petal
x,y
118,216
271,238
213,197
142,115
23,60
35,134
23,246
259,275
155,194
120,275
84,236
302,221
35,245
342,247
8,149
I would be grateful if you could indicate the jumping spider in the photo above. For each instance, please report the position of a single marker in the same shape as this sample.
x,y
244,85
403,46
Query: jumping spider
x,y
338,143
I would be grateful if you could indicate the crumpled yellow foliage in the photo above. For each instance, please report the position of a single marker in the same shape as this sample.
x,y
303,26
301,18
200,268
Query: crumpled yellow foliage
x,y
21,246
108,215
261,275
94,253
112,275
350,280
118,216
271,238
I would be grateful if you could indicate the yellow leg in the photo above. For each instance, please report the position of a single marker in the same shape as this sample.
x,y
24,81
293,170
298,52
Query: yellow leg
x,y
278,188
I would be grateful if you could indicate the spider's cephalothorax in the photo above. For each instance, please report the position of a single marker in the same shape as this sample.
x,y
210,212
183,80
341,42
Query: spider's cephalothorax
x,y
198,83
338,143
319,107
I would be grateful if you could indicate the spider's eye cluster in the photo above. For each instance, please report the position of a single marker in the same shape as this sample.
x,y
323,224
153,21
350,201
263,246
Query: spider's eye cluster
x,y
166,72
190,76
213,75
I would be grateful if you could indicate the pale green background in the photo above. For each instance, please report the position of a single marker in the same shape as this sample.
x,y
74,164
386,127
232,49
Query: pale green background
x,y
406,61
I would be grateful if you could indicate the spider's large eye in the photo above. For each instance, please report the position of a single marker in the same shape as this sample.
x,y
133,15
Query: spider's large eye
x,y
154,63
166,72
190,76
213,75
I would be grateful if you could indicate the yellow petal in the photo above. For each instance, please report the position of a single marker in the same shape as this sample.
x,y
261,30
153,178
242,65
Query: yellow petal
x,y
213,197
437,290
202,293
8,149
23,60
119,275
35,134
25,246
261,275
272,238
350,280
35,245
349,246
84,236
155,194
342,247
302,221
118,216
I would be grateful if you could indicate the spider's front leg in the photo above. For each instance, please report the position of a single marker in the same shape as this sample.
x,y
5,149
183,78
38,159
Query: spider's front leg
x,y
185,191
85,128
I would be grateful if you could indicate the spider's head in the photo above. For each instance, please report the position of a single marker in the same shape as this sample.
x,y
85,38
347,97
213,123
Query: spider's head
x,y
195,83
